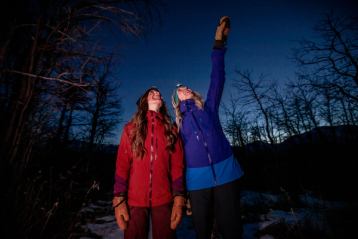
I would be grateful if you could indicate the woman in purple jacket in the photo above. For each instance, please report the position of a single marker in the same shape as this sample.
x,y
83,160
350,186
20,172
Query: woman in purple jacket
x,y
212,172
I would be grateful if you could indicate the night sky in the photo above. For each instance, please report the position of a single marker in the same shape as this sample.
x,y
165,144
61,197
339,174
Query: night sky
x,y
178,49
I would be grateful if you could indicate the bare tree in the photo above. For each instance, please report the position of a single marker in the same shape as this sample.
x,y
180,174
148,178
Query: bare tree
x,y
308,99
56,50
236,125
333,59
253,93
105,109
49,51
283,119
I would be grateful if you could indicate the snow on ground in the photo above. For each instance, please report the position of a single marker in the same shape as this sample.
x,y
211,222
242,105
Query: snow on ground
x,y
100,221
107,229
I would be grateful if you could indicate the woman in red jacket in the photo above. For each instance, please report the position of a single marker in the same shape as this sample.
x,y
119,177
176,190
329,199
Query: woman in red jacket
x,y
149,172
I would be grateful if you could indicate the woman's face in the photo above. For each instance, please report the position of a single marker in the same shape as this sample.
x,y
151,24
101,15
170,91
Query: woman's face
x,y
154,98
184,93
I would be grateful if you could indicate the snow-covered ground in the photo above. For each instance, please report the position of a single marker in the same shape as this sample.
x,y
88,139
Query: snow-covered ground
x,y
260,212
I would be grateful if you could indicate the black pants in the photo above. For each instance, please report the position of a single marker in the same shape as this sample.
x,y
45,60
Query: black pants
x,y
221,205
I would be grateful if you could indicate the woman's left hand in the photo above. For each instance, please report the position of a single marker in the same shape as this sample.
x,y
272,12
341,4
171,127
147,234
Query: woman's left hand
x,y
177,211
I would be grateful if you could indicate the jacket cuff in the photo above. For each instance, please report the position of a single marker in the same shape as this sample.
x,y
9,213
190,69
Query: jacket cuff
x,y
219,44
120,194
175,194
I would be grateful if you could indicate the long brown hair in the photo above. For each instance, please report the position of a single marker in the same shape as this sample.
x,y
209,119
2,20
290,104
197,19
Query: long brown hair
x,y
139,131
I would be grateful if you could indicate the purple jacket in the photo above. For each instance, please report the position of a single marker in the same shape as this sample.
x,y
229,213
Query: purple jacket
x,y
208,154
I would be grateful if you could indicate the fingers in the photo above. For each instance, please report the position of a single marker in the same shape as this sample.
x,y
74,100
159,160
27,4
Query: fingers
x,y
122,217
172,220
224,22
175,217
122,224
175,221
120,220
222,30
224,19
220,27
174,224
125,216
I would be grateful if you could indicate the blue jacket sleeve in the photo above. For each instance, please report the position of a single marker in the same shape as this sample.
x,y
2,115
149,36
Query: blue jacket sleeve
x,y
217,79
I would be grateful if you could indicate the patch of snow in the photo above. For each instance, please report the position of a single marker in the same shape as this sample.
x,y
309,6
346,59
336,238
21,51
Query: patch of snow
x,y
251,198
311,201
105,230
105,226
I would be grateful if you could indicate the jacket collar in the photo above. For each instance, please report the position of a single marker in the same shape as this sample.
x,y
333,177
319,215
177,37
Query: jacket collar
x,y
152,114
187,106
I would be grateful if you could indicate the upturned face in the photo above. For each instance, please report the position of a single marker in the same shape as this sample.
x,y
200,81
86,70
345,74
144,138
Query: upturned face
x,y
184,93
154,98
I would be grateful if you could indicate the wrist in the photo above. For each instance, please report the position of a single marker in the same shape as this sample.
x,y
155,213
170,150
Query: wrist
x,y
179,201
219,44
117,201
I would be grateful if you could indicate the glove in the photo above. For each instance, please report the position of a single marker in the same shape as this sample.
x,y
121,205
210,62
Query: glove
x,y
121,212
177,211
222,31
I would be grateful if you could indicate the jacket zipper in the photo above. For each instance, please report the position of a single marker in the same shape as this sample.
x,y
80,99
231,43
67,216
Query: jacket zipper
x,y
206,148
151,161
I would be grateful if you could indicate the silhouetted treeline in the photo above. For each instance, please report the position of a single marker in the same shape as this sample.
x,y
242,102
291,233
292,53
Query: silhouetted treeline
x,y
324,92
56,89
302,135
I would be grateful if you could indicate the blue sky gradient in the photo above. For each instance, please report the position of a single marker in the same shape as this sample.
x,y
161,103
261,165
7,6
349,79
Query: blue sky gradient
x,y
178,49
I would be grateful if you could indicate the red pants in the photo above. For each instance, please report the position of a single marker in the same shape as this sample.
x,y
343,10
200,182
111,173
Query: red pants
x,y
138,225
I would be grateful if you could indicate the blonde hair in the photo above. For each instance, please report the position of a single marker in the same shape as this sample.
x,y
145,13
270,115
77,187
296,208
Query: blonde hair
x,y
199,102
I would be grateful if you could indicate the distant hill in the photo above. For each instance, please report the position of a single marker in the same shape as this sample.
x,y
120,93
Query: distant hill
x,y
339,134
322,160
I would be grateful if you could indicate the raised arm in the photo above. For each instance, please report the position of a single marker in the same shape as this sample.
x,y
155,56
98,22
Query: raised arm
x,y
217,76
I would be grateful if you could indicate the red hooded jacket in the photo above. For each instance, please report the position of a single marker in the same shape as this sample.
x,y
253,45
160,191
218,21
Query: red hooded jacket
x,y
154,179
